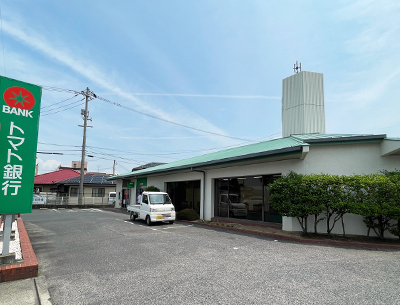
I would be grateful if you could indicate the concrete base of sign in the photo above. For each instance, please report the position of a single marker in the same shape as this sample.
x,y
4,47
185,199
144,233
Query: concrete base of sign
x,y
8,259
7,227
12,236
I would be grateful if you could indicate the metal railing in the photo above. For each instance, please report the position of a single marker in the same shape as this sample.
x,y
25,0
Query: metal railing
x,y
60,199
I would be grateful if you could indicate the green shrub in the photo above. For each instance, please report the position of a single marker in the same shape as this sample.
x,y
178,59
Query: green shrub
x,y
290,197
187,214
376,199
152,188
394,176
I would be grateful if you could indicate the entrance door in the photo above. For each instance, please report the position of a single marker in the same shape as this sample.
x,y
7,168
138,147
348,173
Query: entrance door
x,y
125,197
185,195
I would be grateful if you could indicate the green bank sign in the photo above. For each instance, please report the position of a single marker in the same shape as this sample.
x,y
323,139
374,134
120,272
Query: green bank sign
x,y
19,123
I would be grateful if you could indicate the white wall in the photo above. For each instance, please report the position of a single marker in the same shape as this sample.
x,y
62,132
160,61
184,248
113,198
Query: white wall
x,y
353,225
346,159
343,159
118,189
303,109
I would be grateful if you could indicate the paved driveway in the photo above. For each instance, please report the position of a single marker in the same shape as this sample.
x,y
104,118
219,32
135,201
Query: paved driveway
x,y
99,257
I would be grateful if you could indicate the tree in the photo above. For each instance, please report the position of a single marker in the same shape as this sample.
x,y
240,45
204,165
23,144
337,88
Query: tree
x,y
332,196
289,197
376,198
394,176
312,185
152,188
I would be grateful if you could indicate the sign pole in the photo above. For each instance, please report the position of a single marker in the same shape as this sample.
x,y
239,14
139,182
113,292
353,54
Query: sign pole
x,y
6,234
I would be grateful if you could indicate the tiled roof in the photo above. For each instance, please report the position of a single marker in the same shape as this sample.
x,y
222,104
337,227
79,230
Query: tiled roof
x,y
90,179
56,176
293,143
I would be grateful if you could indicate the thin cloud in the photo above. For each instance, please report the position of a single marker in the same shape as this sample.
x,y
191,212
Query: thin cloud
x,y
374,51
212,95
158,138
93,73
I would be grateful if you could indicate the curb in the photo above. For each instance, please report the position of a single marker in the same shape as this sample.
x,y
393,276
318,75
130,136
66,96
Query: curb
x,y
29,268
304,240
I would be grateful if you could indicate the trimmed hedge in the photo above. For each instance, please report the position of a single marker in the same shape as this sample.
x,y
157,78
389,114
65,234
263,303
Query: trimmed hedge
x,y
328,197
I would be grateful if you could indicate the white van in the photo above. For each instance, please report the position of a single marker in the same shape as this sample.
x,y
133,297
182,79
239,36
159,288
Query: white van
x,y
231,205
112,197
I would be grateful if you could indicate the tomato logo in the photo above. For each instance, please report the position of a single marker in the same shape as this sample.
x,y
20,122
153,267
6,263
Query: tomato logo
x,y
19,97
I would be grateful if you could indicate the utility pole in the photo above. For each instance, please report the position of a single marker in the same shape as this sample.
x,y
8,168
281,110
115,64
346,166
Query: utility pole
x,y
85,114
114,169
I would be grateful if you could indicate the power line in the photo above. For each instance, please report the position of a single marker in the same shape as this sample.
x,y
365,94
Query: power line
x,y
136,154
46,150
61,107
210,95
114,156
50,88
59,102
150,115
171,122
58,144
123,167
64,108
158,154
145,154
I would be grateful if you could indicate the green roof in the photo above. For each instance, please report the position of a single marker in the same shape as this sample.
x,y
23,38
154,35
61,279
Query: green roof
x,y
291,144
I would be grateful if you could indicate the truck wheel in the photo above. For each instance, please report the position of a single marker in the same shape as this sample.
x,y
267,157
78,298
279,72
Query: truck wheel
x,y
133,216
148,220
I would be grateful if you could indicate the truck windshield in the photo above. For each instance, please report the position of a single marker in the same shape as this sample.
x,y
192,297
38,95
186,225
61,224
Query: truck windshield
x,y
159,199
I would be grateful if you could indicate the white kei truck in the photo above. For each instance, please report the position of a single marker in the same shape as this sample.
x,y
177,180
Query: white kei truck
x,y
154,207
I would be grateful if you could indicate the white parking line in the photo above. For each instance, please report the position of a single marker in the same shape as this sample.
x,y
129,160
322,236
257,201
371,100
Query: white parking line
x,y
91,210
174,227
160,228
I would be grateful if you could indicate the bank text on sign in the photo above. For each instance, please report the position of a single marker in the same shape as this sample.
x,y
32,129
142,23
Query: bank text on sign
x,y
19,123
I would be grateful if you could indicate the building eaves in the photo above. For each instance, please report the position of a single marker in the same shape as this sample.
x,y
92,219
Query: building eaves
x,y
324,138
257,150
265,149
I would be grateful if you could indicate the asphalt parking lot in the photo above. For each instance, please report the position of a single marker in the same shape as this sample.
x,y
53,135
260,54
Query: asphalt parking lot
x,y
92,256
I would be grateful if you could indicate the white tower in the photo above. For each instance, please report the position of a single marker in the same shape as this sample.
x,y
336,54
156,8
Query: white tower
x,y
303,109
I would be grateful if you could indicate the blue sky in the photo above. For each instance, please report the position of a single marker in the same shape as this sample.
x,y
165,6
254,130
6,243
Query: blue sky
x,y
211,65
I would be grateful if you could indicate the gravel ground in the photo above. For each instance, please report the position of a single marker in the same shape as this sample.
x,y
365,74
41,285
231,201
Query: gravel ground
x,y
15,246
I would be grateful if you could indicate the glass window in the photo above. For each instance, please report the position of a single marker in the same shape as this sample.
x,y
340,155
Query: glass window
x,y
145,199
252,194
74,191
245,197
159,199
98,192
270,214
